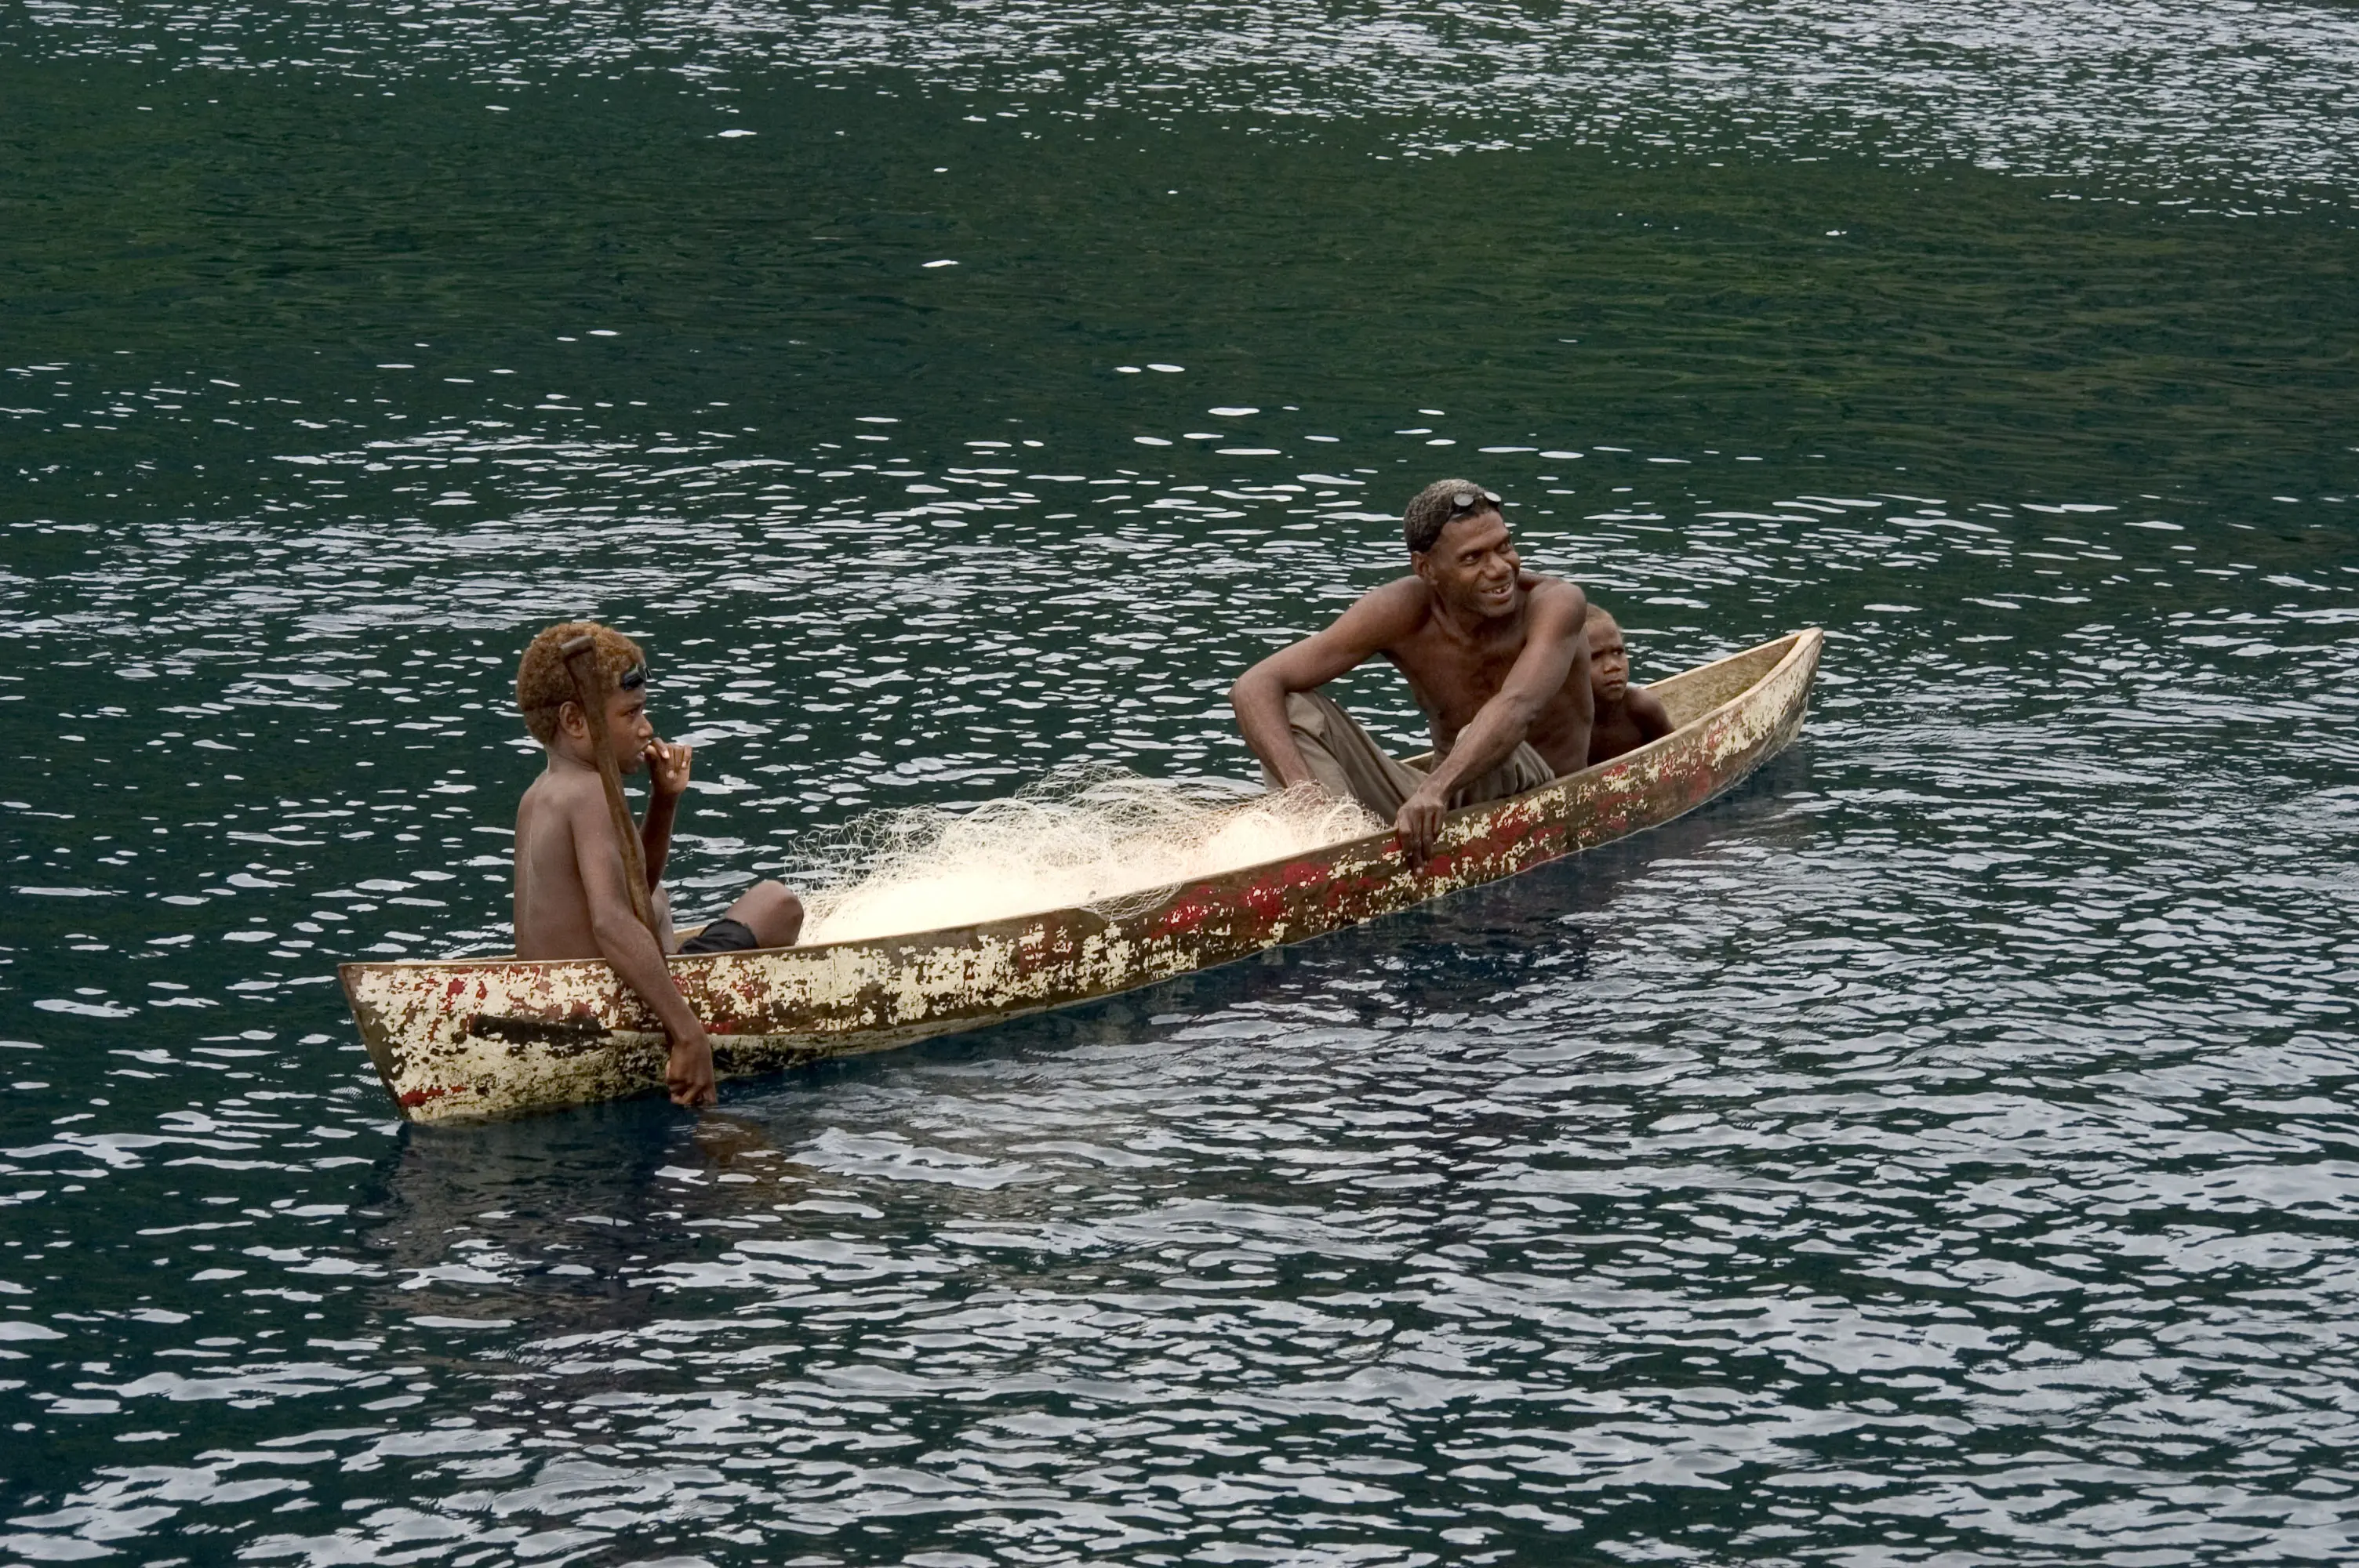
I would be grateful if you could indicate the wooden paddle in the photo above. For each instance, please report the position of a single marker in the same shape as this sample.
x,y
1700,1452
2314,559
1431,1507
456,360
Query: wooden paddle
x,y
580,662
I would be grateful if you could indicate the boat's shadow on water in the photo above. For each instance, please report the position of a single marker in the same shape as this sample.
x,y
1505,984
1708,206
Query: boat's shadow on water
x,y
572,1224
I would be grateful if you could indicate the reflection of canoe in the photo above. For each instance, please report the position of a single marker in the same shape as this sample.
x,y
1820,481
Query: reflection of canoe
x,y
472,1037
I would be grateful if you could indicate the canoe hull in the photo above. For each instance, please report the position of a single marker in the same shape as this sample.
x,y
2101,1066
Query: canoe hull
x,y
494,1037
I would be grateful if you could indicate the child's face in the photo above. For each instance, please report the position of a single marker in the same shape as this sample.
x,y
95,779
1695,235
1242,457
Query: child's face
x,y
628,728
1609,663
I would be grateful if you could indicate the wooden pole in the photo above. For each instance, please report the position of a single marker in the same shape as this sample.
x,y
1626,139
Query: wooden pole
x,y
580,662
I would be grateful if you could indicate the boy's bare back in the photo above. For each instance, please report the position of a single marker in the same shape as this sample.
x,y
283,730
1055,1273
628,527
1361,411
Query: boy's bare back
x,y
558,815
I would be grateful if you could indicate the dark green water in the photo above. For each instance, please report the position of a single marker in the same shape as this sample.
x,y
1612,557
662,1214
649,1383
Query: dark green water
x,y
1943,1153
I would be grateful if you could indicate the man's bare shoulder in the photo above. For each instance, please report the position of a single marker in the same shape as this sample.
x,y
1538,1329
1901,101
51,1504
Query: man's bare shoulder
x,y
1388,614
1554,600
1403,594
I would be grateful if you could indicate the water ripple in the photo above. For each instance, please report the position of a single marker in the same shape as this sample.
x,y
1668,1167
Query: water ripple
x,y
2168,96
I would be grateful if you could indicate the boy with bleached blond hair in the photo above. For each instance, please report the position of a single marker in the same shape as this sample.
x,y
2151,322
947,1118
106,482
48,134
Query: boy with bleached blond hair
x,y
572,889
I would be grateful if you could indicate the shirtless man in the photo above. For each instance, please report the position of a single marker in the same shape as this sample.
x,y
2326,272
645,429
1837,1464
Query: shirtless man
x,y
573,896
1494,653
1627,716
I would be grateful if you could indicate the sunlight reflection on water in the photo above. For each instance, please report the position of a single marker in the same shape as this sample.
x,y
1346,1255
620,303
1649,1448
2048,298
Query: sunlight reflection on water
x,y
2183,96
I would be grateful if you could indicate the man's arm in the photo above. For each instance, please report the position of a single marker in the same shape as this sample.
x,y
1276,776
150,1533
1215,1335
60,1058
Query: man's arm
x,y
1377,621
1555,659
630,947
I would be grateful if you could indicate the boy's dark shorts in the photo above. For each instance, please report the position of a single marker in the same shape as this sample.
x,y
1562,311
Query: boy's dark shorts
x,y
723,935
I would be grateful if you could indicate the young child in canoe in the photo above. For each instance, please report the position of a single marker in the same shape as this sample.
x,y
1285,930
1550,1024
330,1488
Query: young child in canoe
x,y
573,896
1627,716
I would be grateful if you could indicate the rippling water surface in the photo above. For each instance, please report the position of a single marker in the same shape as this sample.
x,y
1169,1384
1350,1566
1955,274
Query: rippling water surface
x,y
1941,1151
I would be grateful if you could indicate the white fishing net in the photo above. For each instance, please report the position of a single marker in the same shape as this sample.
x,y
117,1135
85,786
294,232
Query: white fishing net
x,y
1100,838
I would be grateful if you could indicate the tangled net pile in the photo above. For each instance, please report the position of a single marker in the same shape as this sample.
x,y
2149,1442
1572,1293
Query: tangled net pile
x,y
1100,838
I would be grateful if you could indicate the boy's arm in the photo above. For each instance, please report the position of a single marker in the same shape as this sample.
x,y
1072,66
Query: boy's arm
x,y
1654,719
630,947
668,769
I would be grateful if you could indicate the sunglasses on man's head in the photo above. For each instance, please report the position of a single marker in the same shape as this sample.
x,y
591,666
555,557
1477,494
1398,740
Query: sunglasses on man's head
x,y
1467,501
633,678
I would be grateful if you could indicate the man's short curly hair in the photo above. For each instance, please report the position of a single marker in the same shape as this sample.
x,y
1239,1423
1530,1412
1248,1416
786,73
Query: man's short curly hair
x,y
544,685
1431,511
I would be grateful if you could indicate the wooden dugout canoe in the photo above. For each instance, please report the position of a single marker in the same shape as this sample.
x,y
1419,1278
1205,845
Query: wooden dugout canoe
x,y
491,1037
